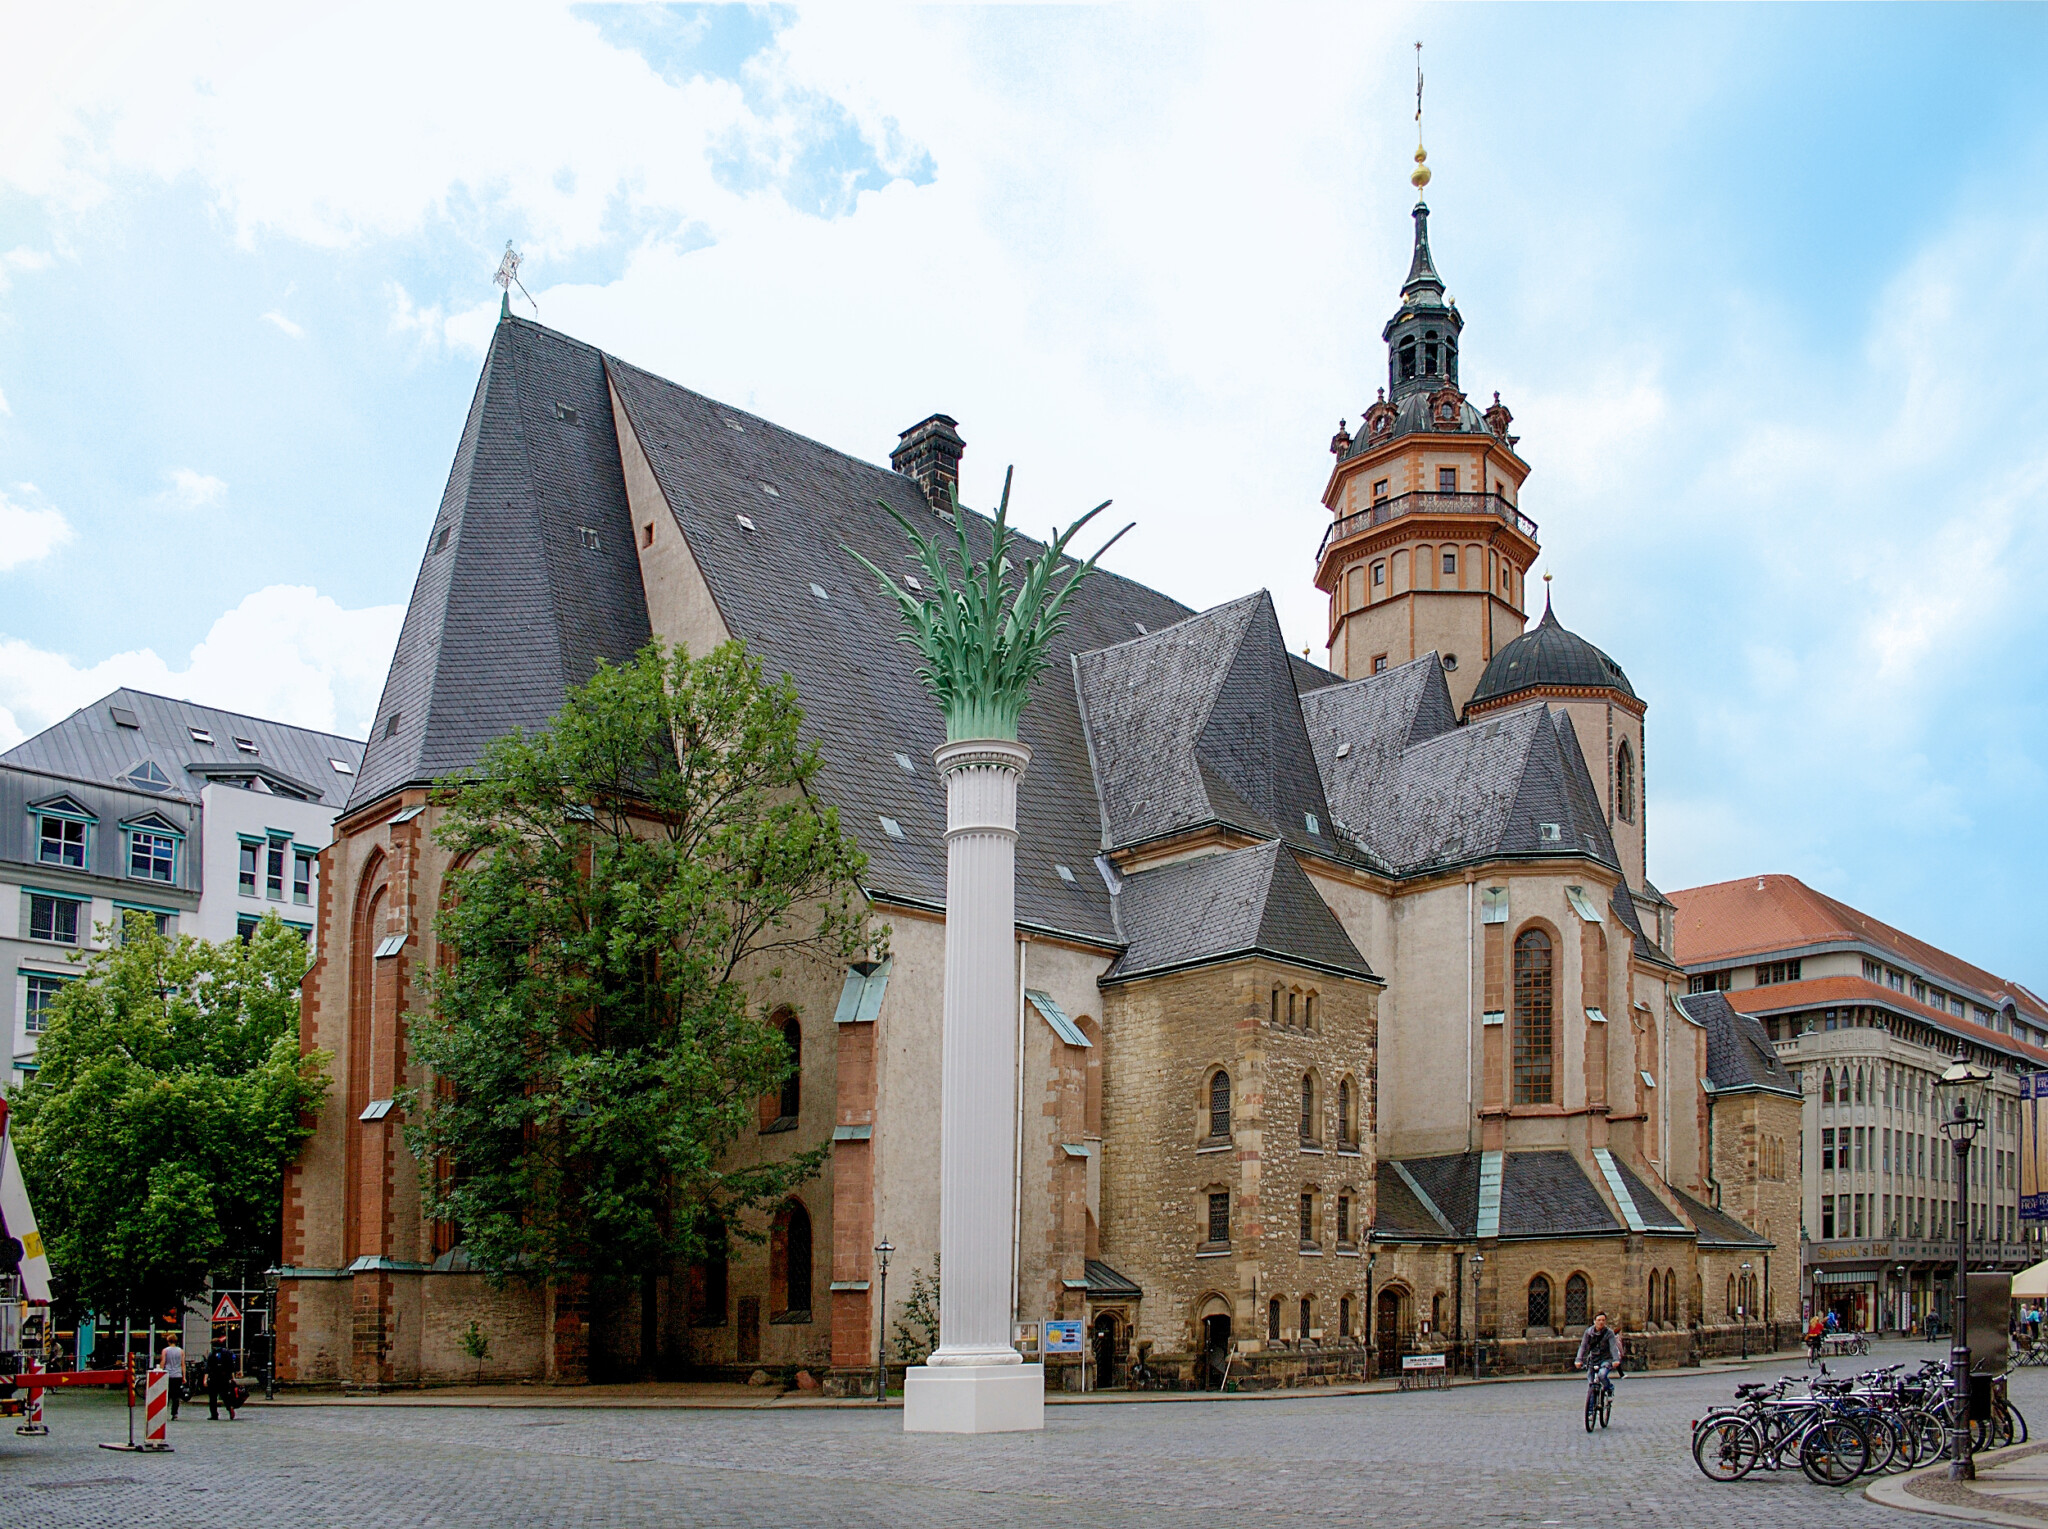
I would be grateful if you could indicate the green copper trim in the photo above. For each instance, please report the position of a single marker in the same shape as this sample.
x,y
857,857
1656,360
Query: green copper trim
x,y
980,652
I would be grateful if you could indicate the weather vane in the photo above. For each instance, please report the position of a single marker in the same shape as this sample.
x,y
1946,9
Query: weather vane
x,y
508,276
1420,176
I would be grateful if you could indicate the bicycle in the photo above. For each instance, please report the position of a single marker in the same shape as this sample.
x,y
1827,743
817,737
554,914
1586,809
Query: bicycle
x,y
1600,1379
1765,1430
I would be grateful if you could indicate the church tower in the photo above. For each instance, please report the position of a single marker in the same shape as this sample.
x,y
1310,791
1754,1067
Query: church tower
x,y
1426,549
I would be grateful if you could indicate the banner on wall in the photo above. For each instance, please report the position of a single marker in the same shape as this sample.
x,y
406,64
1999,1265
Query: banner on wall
x,y
2034,1149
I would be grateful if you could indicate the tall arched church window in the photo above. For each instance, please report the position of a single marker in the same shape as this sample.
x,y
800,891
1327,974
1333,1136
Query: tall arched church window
x,y
1578,1296
1308,1107
1219,1104
789,1263
1625,783
1534,1032
1827,1086
1539,1301
1347,1121
792,1086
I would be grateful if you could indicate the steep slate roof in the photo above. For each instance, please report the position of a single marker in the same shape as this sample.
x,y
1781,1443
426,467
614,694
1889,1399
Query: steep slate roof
x,y
858,683
1421,792
1740,1057
1763,916
1549,655
1542,1194
1717,1228
1253,901
515,605
1547,1194
90,745
1201,723
1656,1215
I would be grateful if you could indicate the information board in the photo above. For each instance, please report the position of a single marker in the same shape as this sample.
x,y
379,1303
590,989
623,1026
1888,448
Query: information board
x,y
1063,1338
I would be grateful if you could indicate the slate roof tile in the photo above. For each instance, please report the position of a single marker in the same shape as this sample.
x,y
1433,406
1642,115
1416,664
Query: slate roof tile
x,y
1740,1055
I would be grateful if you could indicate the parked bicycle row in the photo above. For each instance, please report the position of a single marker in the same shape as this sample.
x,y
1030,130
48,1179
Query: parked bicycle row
x,y
1835,1429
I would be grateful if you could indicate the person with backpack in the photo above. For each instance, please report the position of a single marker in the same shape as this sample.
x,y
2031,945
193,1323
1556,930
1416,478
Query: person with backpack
x,y
220,1381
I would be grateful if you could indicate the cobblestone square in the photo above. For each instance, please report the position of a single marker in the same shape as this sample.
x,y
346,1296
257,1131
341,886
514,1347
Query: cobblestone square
x,y
1513,1453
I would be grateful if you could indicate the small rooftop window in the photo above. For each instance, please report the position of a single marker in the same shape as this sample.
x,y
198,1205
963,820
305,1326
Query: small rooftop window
x,y
1066,872
201,735
1313,826
589,535
771,491
247,745
1142,630
892,828
342,767
567,415
1343,751
391,725
746,522
733,424
819,591
904,761
149,777
123,717
441,539
911,580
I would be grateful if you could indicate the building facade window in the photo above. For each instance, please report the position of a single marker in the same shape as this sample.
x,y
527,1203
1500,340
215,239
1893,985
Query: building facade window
x,y
42,995
1379,491
1447,480
1625,783
1219,1105
1379,663
1539,1301
1307,1315
789,1264
791,1098
160,922
1219,1218
302,877
152,856
1343,1221
1578,1297
62,841
1450,561
273,869
1379,574
1534,1031
246,868
1273,1320
1308,1218
55,919
1770,973
1308,1107
1708,982
1347,1115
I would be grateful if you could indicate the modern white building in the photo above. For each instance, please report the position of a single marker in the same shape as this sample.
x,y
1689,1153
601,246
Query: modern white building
x,y
201,819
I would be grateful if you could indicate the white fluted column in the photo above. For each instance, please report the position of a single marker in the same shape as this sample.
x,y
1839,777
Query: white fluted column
x,y
976,1382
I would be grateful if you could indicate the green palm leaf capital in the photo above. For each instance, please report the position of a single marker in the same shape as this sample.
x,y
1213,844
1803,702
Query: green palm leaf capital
x,y
982,635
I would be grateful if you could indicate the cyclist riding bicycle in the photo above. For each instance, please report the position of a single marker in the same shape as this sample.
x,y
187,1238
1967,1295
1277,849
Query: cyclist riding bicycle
x,y
1600,1344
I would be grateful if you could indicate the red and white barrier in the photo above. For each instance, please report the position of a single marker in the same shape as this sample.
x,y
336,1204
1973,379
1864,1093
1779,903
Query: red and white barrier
x,y
32,1423
156,1411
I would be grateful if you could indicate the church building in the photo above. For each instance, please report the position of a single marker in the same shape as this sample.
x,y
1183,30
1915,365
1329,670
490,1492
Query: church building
x,y
1348,1019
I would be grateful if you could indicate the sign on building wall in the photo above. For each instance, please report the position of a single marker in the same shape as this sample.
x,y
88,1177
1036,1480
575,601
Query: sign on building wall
x,y
2034,1149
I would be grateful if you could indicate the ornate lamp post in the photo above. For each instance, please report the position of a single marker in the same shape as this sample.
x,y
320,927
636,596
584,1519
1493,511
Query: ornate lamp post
x,y
1743,1308
882,1251
1961,1091
1478,1261
982,631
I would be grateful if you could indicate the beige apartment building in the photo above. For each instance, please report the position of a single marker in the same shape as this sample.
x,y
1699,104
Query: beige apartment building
x,y
1867,1017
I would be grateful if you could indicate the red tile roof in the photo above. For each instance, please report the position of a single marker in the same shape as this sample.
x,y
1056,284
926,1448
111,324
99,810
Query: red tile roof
x,y
1767,915
1817,992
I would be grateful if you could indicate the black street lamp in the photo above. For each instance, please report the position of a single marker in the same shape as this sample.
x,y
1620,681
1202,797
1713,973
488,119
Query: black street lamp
x,y
1961,1091
1902,1312
882,1251
1477,1260
1742,1307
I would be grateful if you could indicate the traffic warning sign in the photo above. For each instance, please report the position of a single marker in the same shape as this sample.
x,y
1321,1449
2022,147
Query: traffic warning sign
x,y
227,1310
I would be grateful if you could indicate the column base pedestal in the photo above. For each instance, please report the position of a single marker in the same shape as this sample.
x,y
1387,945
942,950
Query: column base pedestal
x,y
974,1398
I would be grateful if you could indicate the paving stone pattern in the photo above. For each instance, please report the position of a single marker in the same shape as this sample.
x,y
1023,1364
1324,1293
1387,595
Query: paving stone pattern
x,y
1499,1454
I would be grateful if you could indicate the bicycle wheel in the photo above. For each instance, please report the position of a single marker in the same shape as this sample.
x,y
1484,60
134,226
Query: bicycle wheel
x,y
1592,1410
2019,1423
1834,1452
1726,1448
1884,1437
1606,1407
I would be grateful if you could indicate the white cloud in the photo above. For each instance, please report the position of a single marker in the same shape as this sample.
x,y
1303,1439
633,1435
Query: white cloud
x,y
192,490
285,324
29,531
287,652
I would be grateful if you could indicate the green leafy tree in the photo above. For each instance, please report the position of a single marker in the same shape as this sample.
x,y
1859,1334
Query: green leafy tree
x,y
477,1344
917,1327
170,1096
631,879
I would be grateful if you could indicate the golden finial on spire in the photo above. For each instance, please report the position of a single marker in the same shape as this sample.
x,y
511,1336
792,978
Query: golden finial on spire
x,y
1420,176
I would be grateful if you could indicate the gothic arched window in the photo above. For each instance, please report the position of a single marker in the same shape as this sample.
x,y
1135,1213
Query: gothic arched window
x,y
1827,1086
1533,1062
1539,1301
1347,1121
1578,1296
1219,1104
1308,1107
1625,783
789,1262
793,1085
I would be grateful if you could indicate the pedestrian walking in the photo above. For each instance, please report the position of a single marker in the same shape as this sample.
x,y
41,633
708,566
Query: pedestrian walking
x,y
1814,1331
173,1359
220,1381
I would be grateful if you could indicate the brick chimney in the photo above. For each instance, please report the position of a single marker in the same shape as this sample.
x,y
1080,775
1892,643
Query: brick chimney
x,y
929,451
